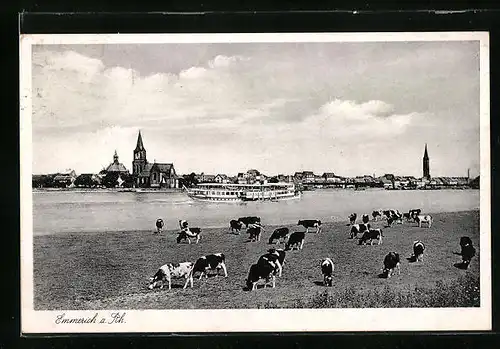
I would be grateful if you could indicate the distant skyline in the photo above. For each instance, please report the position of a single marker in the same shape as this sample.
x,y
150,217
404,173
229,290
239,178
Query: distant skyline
x,y
348,108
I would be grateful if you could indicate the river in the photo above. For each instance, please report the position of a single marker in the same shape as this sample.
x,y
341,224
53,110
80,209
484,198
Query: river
x,y
72,211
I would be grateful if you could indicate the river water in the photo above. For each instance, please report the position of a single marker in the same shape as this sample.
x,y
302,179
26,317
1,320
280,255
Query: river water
x,y
72,211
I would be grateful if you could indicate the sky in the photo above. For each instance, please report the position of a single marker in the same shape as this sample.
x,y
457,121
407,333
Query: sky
x,y
347,108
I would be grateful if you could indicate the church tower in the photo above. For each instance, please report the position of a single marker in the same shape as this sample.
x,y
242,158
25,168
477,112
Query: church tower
x,y
140,161
426,173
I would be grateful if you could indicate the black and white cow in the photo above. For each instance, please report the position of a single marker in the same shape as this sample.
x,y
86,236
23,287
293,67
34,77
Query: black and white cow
x,y
249,220
467,250
418,250
376,214
170,271
420,219
358,229
310,223
159,225
235,225
188,234
365,218
352,218
183,224
327,268
371,234
254,231
296,240
414,212
265,270
391,262
279,234
275,256
212,262
395,217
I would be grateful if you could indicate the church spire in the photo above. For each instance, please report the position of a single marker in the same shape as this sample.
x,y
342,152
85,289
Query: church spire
x,y
425,164
115,157
139,145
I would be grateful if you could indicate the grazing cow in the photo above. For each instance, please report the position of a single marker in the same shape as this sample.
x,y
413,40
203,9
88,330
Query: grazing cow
x,y
391,262
254,231
264,270
188,233
423,219
310,223
371,234
327,268
235,226
275,256
414,212
169,271
358,229
390,213
366,218
396,216
352,218
418,250
407,216
467,250
214,261
159,225
376,214
249,220
183,224
296,240
279,234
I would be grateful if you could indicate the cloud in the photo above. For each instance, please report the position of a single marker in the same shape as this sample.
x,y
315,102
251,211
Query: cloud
x,y
275,107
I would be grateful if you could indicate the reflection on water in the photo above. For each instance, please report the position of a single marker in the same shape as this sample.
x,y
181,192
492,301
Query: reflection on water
x,y
65,211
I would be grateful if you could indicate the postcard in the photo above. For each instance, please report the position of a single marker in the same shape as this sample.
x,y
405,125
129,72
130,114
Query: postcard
x,y
294,182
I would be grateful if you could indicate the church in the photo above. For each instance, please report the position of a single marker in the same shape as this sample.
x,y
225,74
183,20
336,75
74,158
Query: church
x,y
151,175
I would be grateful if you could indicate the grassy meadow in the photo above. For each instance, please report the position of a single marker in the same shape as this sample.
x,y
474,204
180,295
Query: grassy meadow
x,y
111,270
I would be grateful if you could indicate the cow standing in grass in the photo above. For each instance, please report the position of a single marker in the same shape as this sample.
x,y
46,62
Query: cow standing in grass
x,y
358,229
365,218
279,234
275,256
467,250
371,234
296,240
327,268
188,234
418,250
310,223
376,214
159,225
213,262
169,271
249,220
235,226
420,219
391,263
352,218
254,231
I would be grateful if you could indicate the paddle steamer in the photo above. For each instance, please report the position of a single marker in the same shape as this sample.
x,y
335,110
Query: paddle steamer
x,y
221,192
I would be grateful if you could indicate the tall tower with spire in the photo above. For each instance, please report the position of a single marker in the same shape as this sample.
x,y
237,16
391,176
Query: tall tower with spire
x,y
426,172
140,161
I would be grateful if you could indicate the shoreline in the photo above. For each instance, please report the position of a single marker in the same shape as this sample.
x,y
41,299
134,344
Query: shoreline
x,y
208,228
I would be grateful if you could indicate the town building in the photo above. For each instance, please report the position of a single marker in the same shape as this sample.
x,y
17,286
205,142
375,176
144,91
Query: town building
x,y
116,166
65,179
151,175
222,178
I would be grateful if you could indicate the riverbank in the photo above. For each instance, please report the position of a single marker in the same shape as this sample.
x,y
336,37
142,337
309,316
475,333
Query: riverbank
x,y
111,270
